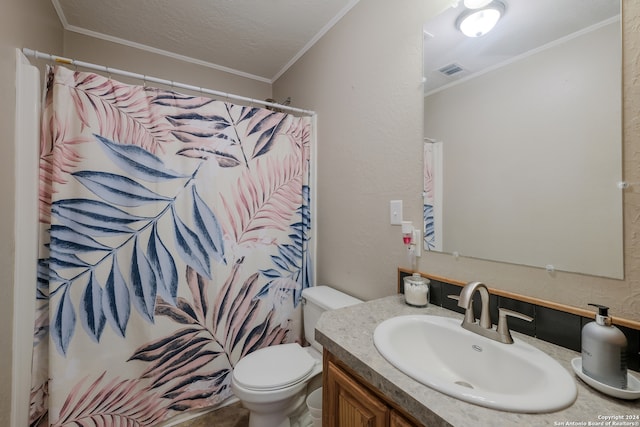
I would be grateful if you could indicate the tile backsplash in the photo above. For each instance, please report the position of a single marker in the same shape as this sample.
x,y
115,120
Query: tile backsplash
x,y
554,326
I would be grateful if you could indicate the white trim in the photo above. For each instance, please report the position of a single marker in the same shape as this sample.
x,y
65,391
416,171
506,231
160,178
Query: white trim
x,y
25,234
102,36
166,53
305,48
315,38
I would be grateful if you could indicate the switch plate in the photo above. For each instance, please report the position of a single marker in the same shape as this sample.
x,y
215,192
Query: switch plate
x,y
395,212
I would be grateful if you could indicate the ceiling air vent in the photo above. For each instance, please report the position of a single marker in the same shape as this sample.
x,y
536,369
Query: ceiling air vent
x,y
451,69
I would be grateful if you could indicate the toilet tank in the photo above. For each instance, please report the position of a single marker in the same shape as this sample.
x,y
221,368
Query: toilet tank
x,y
319,299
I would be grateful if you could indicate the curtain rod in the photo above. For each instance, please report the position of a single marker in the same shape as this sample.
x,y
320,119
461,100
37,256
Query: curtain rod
x,y
62,60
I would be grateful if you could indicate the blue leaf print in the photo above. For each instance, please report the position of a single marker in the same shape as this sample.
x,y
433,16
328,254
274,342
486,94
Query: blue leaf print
x,y
290,258
46,274
118,189
189,247
298,237
267,137
43,278
271,273
429,227
94,231
210,231
292,253
92,315
264,291
138,162
64,323
68,240
93,217
115,300
215,122
164,267
143,280
64,260
280,262
95,212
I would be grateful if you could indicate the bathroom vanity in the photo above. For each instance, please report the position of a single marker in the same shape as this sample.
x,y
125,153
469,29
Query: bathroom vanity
x,y
351,401
362,388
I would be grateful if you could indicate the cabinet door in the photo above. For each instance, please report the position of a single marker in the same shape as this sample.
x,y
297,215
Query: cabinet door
x,y
351,405
397,420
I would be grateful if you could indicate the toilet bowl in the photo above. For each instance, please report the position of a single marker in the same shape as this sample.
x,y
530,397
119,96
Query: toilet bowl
x,y
272,382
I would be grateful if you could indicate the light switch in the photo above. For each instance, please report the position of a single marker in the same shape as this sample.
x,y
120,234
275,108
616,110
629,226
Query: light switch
x,y
395,211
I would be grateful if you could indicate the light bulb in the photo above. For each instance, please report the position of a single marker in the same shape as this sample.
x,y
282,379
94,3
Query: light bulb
x,y
479,23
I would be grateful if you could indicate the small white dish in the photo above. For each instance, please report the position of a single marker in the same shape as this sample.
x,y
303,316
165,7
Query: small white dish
x,y
630,393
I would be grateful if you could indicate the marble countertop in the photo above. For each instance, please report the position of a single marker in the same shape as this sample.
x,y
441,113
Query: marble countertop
x,y
348,334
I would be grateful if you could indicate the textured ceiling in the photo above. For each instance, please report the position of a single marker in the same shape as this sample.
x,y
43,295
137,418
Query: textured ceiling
x,y
257,39
261,39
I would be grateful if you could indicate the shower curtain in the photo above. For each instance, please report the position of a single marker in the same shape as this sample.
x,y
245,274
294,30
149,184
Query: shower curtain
x,y
174,236
432,191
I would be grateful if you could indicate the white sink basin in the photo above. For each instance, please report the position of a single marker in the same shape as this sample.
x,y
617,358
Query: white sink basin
x,y
439,353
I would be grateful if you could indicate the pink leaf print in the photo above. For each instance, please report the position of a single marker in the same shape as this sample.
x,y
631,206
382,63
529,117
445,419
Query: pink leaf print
x,y
116,403
122,112
264,197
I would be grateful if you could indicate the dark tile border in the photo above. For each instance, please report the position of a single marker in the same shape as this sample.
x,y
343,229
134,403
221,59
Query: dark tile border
x,y
554,326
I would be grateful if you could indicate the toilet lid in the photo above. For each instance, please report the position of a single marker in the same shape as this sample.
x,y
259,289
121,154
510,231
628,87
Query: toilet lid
x,y
273,367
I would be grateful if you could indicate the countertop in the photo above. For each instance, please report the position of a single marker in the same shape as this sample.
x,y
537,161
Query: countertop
x,y
348,334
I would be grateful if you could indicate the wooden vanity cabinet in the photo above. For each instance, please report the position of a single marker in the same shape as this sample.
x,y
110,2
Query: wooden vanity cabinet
x,y
348,401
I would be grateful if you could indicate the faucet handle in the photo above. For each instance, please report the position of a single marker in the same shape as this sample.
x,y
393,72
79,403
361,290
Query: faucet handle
x,y
469,316
503,327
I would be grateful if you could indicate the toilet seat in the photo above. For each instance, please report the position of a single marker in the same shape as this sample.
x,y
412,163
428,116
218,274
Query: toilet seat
x,y
273,368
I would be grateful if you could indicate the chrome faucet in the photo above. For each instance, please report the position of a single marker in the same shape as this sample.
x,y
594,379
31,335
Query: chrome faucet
x,y
484,327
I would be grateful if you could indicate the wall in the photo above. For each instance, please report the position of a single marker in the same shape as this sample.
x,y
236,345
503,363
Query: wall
x,y
23,23
363,80
514,188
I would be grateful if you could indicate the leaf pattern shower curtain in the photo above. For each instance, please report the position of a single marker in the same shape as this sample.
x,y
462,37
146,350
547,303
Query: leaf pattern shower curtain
x,y
428,174
174,241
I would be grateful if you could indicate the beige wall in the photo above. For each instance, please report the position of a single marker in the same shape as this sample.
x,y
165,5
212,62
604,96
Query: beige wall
x,y
363,80
23,23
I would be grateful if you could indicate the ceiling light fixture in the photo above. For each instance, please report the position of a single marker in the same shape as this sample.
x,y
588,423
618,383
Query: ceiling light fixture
x,y
476,4
478,22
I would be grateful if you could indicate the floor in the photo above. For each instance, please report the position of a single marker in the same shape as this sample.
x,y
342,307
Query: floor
x,y
229,416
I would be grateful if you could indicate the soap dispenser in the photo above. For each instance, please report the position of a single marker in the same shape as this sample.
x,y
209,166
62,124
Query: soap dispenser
x,y
604,350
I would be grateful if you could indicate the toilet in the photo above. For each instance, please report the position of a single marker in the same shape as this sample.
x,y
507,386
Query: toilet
x,y
272,382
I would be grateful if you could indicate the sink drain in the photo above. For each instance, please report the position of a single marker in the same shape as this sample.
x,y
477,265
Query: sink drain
x,y
464,384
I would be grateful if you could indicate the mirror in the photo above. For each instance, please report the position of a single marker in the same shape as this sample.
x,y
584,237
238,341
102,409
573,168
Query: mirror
x,y
523,137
